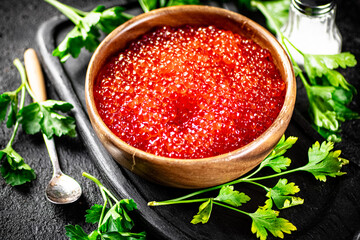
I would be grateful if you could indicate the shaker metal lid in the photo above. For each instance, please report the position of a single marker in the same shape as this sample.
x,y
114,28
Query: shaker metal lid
x,y
314,7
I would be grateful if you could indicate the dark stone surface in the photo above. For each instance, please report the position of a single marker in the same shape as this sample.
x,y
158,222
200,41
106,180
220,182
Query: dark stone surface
x,y
24,211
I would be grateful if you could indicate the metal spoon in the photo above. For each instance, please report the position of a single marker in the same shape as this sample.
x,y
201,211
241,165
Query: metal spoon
x,y
61,189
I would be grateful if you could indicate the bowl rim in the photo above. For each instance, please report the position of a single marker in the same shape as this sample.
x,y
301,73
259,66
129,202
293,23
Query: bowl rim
x,y
287,108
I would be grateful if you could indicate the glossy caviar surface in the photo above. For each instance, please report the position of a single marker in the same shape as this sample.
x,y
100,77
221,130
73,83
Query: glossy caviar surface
x,y
189,92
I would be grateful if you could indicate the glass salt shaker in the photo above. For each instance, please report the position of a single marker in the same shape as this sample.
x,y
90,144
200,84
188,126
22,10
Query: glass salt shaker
x,y
311,28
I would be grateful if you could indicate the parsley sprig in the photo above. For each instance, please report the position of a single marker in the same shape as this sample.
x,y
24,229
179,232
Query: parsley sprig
x,y
113,221
89,25
86,32
322,163
327,90
34,118
13,167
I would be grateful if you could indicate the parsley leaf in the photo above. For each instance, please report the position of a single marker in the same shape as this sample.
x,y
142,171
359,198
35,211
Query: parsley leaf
x,y
276,12
275,160
279,10
42,116
278,164
117,219
85,34
320,111
76,233
204,212
111,18
87,25
8,107
323,162
324,65
231,197
280,194
70,46
328,107
331,136
283,145
13,169
265,219
94,213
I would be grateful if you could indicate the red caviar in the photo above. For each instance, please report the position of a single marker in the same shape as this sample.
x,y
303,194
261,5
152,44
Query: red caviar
x,y
189,92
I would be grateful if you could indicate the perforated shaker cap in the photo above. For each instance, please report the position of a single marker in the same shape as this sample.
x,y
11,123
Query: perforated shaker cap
x,y
314,7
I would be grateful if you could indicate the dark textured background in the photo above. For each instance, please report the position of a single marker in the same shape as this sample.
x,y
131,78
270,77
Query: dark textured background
x,y
24,212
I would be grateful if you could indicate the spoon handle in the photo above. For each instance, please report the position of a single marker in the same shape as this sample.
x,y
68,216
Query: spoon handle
x,y
37,85
35,75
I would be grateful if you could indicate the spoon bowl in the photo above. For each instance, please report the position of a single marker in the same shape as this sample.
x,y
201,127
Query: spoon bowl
x,y
63,189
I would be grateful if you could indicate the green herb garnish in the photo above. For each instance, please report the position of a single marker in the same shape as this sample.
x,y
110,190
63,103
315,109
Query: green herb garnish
x,y
322,163
8,106
113,221
42,116
86,32
34,118
328,91
12,166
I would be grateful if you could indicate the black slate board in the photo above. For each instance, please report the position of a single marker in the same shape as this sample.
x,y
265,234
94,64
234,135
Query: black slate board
x,y
331,209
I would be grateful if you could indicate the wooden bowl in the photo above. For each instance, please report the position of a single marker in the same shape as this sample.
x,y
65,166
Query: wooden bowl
x,y
191,173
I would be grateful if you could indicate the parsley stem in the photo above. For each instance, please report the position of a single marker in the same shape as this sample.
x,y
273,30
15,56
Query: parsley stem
x,y
205,190
143,6
19,88
276,174
66,10
155,203
110,194
264,11
195,193
298,50
22,72
23,76
31,93
258,184
232,208
102,212
245,179
92,178
13,134
104,191
301,75
255,172
78,11
127,15
163,3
